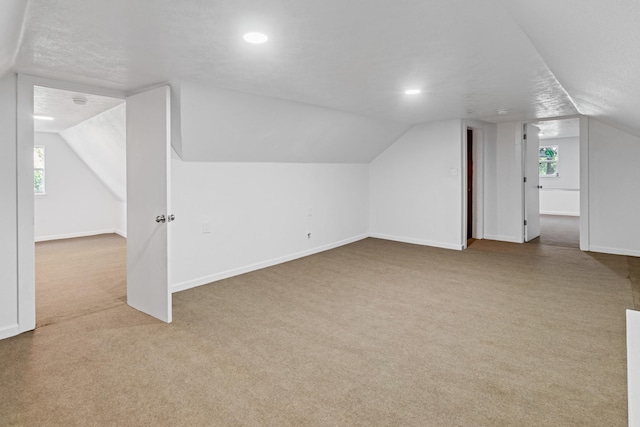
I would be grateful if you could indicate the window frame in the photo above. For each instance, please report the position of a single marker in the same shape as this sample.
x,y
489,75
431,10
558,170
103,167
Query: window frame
x,y
556,160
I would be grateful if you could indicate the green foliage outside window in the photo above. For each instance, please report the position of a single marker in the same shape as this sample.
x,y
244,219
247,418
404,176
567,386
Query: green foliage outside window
x,y
38,170
548,161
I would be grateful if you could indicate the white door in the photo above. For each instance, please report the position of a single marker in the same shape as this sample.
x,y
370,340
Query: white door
x,y
148,213
531,184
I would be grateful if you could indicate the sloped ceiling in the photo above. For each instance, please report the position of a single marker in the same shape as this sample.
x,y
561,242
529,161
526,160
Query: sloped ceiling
x,y
59,105
101,143
470,58
223,125
593,48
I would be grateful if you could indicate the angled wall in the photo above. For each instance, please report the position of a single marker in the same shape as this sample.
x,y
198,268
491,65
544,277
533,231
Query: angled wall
x,y
101,143
11,20
213,124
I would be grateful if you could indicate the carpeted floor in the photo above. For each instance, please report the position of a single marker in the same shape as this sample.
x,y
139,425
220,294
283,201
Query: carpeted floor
x,y
559,230
375,333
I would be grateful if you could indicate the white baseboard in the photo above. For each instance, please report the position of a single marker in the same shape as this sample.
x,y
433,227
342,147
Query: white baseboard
x,y
260,265
457,247
614,251
509,239
121,233
560,213
9,331
72,235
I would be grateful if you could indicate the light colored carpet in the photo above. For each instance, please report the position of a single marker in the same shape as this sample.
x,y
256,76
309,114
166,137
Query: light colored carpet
x,y
374,333
559,230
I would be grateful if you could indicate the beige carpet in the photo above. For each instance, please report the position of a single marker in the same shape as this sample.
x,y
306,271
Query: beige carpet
x,y
559,230
375,333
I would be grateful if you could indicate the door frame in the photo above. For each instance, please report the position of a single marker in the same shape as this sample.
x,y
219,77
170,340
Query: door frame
x,y
584,176
526,182
478,154
25,199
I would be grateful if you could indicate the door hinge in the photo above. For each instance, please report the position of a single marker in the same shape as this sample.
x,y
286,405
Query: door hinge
x,y
525,179
524,136
525,222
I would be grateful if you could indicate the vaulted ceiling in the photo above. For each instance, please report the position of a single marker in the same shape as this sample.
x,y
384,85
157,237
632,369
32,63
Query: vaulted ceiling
x,y
470,58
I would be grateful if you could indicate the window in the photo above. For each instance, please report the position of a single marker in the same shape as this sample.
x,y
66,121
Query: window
x,y
38,169
548,161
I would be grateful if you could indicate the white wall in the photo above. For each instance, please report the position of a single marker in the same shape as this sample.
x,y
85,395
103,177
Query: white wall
x,y
614,197
8,209
503,190
76,203
259,214
101,143
413,195
220,125
560,195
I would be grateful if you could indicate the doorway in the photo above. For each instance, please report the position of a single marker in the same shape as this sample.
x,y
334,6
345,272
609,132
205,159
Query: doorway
x,y
148,136
79,186
472,167
558,162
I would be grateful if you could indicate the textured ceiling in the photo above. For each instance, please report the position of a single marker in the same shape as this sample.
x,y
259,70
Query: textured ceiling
x,y
535,59
566,128
470,58
59,104
593,48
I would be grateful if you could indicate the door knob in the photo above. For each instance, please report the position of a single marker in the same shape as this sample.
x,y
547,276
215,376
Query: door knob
x,y
172,217
161,218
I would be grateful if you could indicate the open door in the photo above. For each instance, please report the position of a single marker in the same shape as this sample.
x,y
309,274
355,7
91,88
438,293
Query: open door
x,y
148,202
531,143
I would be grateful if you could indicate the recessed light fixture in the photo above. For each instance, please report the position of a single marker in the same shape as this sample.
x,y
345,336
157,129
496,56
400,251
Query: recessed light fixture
x,y
255,38
412,91
43,117
503,111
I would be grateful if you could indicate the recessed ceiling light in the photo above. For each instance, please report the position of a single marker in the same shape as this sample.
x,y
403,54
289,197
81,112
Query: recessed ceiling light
x,y
256,38
412,91
503,111
43,117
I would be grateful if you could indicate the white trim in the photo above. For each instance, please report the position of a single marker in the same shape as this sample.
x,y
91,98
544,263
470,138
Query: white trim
x,y
615,251
73,235
633,366
177,287
585,231
559,213
454,246
9,331
509,239
25,224
121,233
